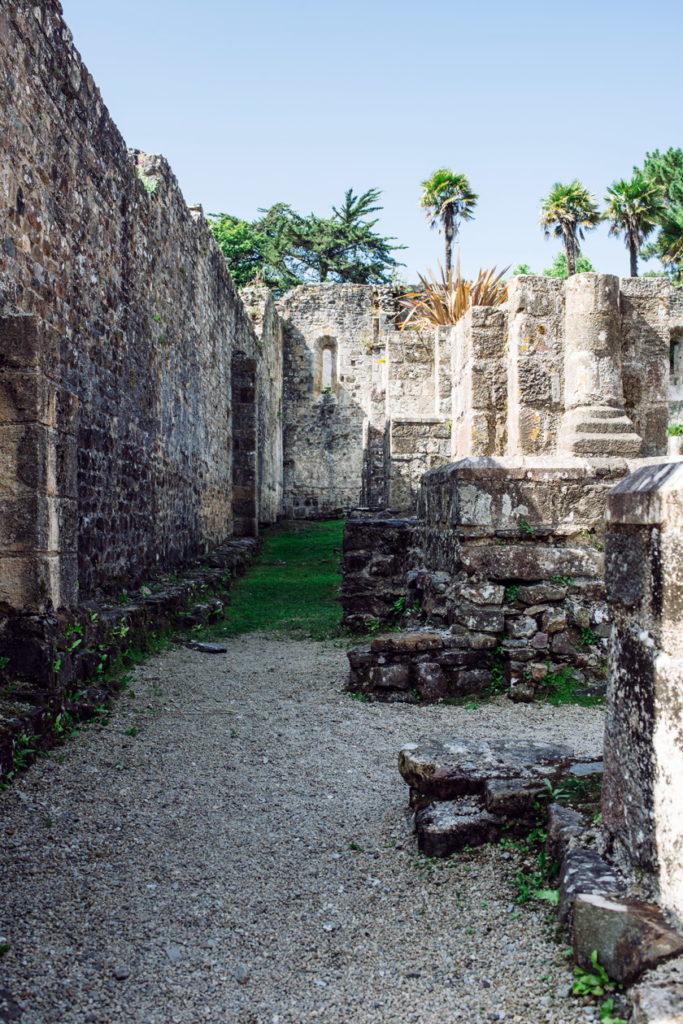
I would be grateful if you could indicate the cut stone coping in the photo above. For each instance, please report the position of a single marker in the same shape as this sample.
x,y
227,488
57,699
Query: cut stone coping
x,y
443,770
405,643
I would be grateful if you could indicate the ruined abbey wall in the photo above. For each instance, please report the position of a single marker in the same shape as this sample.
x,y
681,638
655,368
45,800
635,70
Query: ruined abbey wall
x,y
119,287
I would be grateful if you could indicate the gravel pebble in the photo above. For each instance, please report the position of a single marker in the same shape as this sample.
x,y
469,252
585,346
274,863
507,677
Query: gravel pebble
x,y
258,833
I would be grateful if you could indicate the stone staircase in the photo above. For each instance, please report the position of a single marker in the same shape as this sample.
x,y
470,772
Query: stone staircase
x,y
601,432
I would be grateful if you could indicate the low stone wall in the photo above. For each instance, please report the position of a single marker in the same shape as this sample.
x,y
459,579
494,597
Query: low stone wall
x,y
505,560
66,662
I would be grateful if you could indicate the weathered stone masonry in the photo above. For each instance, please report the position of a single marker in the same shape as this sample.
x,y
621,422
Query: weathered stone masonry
x,y
131,372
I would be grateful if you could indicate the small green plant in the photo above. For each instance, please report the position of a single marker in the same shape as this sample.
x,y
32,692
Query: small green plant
x,y
593,983
588,637
560,687
4,662
156,318
356,847
356,695
398,607
4,948
57,665
525,526
48,822
562,581
607,1013
511,593
132,731
676,429
120,631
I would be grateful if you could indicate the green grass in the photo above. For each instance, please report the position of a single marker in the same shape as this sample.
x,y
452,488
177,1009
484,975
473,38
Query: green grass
x,y
293,587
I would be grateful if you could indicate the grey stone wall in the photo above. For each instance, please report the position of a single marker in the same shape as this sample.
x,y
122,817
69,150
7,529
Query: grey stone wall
x,y
641,804
100,246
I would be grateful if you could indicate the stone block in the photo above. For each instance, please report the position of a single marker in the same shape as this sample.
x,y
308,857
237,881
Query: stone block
x,y
429,680
511,798
539,593
520,627
443,770
26,341
658,997
554,620
444,828
584,871
483,593
629,936
478,618
391,677
531,562
407,643
564,825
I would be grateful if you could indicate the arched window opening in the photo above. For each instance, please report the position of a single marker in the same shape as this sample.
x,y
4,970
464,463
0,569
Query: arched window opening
x,y
325,377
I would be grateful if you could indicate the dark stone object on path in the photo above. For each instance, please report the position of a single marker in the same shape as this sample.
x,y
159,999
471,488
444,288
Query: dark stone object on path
x,y
629,935
203,648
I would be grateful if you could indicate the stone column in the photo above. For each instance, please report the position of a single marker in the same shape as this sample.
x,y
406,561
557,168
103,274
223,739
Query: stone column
x,y
595,422
642,803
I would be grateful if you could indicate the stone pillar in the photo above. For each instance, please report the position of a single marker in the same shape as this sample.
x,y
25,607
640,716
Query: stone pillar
x,y
38,474
244,446
595,422
642,803
535,348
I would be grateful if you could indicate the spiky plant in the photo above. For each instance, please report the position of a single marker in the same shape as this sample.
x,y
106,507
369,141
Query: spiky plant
x,y
445,299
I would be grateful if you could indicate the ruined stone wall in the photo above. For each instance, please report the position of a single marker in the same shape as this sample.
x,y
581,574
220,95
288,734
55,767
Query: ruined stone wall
x,y
147,318
676,358
478,345
641,806
504,561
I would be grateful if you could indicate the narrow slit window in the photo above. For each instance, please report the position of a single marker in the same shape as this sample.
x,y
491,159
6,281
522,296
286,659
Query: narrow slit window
x,y
327,370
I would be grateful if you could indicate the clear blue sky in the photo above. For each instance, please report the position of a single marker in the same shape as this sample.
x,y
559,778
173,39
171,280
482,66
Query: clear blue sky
x,y
269,100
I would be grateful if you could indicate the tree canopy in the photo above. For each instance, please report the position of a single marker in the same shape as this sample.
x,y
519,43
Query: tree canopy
x,y
633,208
448,199
567,212
282,248
665,172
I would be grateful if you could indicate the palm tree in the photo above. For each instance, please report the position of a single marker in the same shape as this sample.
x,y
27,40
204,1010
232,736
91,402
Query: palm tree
x,y
633,207
448,198
567,212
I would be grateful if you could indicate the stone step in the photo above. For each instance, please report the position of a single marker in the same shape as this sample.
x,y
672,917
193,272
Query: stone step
x,y
593,425
605,445
444,770
446,827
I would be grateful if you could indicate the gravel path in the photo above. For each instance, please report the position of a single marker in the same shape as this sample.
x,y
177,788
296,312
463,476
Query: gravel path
x,y
244,858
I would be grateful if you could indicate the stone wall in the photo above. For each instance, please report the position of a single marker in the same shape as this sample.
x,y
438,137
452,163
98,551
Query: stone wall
x,y
324,421
101,251
505,556
641,809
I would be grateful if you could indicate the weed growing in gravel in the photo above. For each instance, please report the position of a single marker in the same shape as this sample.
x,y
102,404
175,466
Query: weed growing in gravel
x,y
4,948
357,695
595,984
